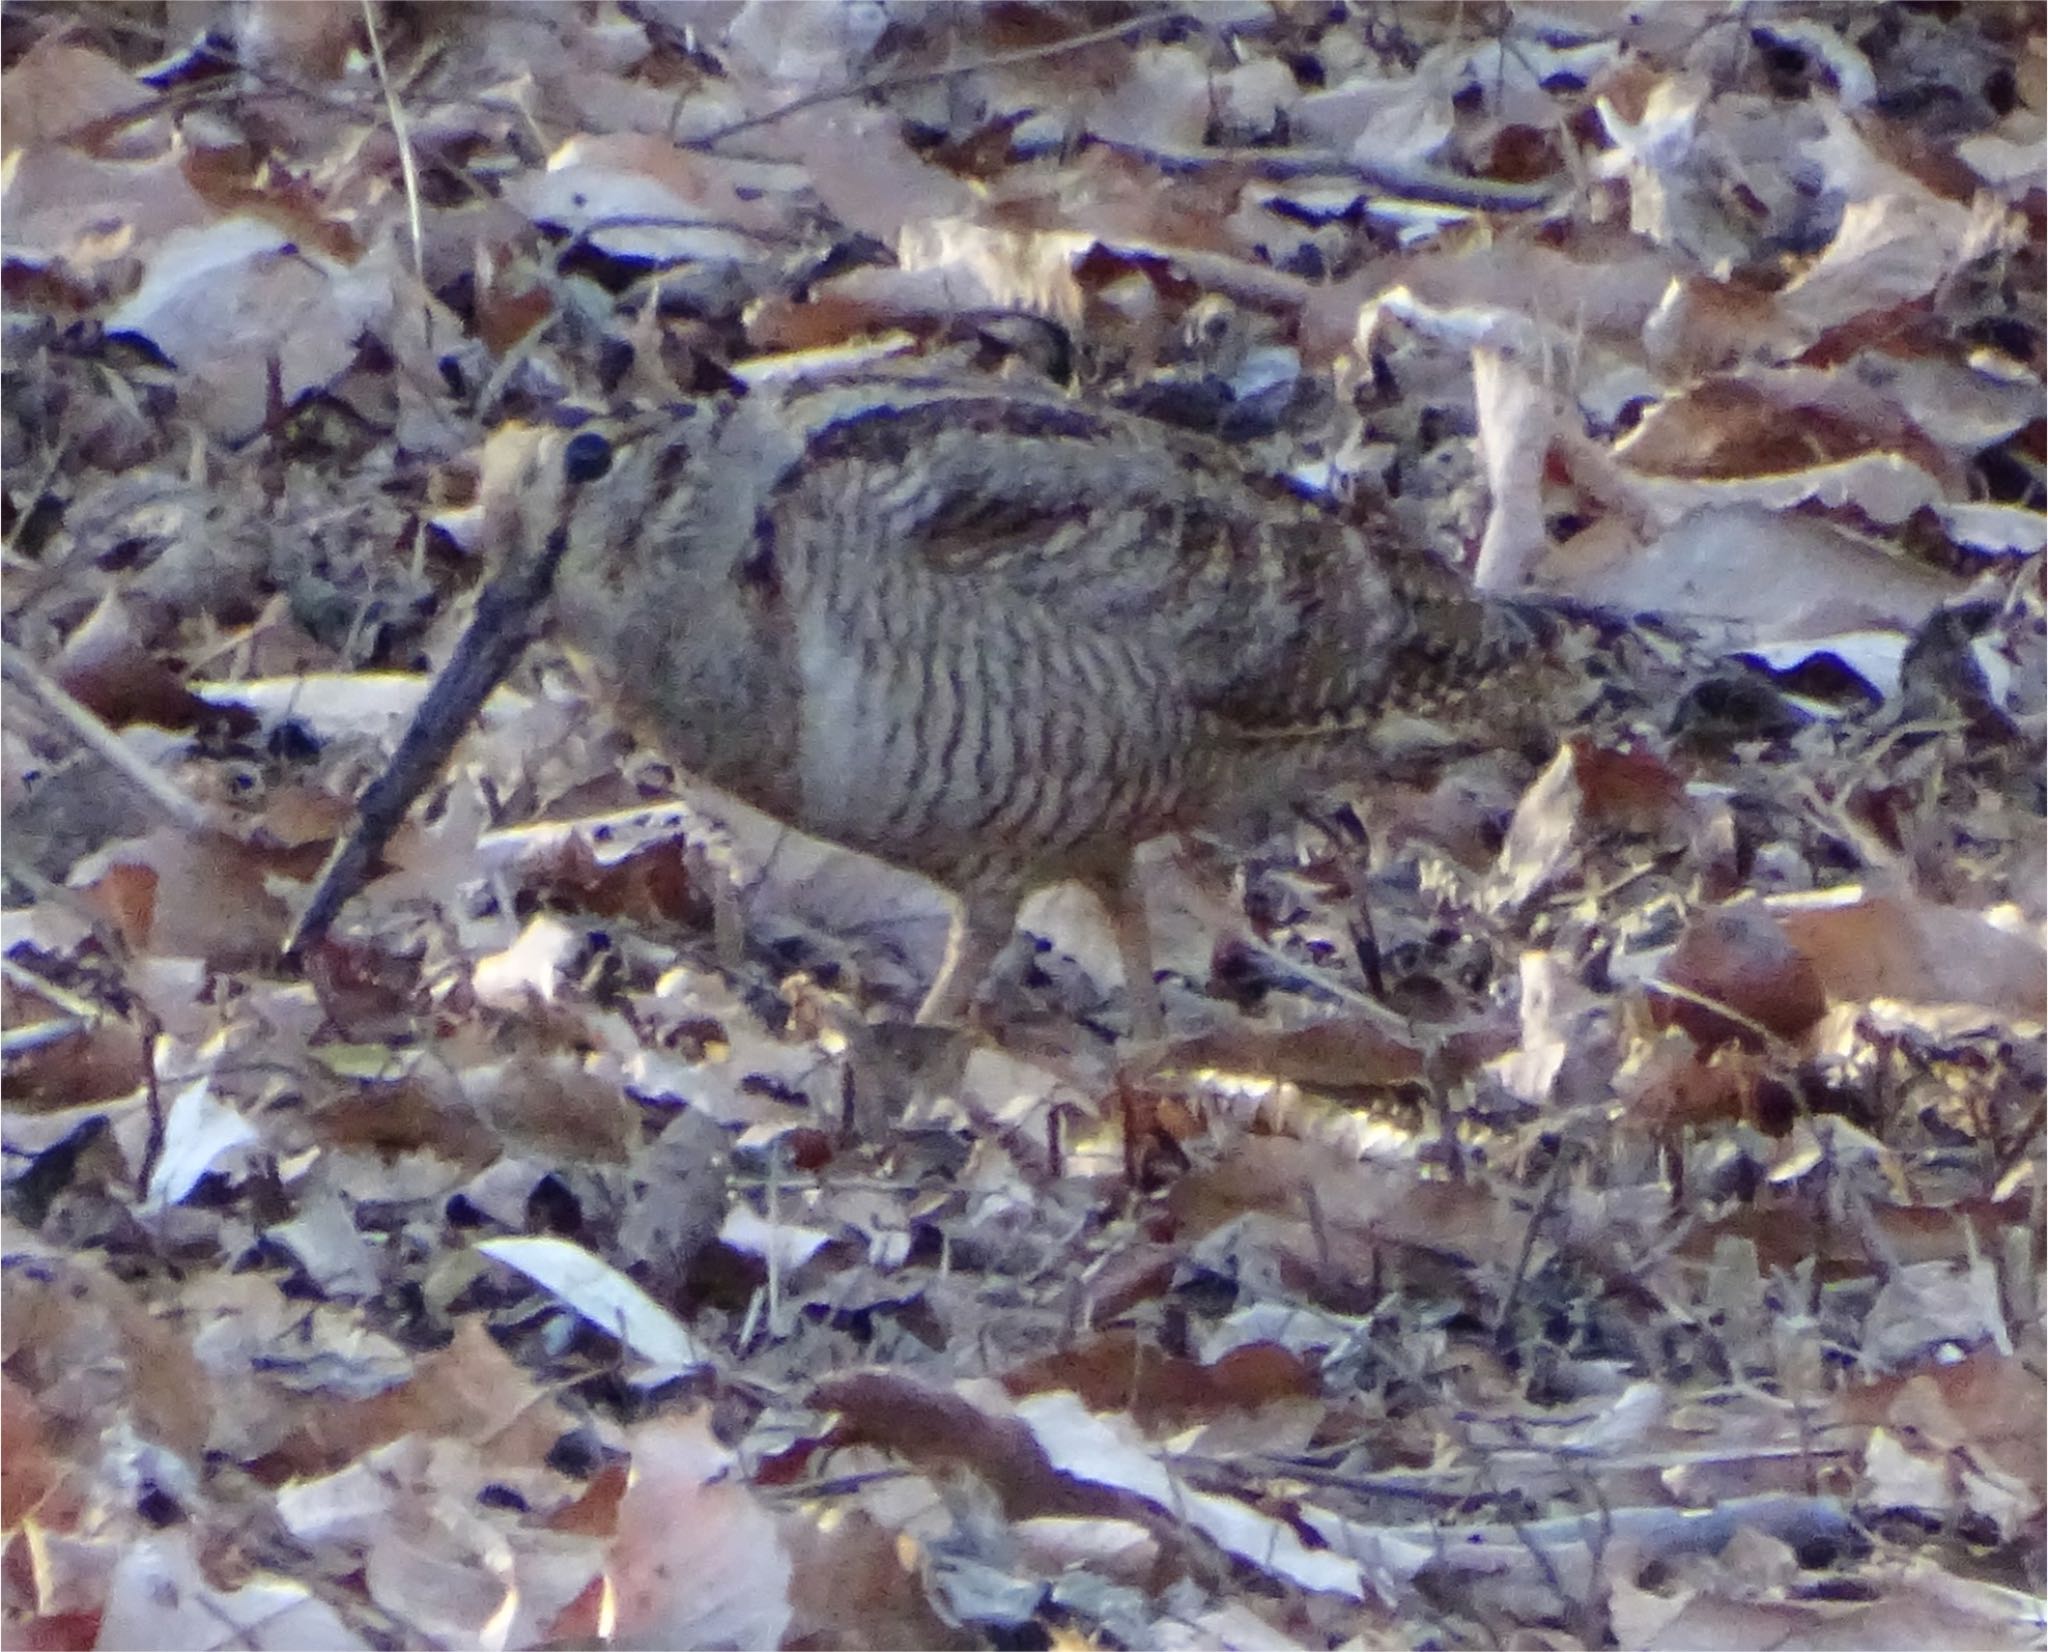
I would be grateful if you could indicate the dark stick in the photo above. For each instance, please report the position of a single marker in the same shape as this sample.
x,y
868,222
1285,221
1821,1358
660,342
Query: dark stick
x,y
497,634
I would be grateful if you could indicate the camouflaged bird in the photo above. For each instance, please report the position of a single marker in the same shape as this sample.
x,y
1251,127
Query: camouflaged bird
x,y
1000,637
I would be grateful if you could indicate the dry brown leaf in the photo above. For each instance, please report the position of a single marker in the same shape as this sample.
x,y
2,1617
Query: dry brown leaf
x,y
1868,944
1118,1371
1740,957
188,895
936,1429
695,1560
1544,1256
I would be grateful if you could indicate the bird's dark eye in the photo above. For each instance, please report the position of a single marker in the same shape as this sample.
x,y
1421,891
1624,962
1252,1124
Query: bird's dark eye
x,y
587,457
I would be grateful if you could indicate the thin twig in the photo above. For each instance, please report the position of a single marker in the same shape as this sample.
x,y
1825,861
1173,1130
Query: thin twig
x,y
921,77
1547,1201
1727,1012
26,980
401,131
71,902
16,1040
1411,183
152,1087
180,810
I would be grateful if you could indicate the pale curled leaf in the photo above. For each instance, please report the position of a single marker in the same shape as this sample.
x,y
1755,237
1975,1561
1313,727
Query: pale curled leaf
x,y
602,1295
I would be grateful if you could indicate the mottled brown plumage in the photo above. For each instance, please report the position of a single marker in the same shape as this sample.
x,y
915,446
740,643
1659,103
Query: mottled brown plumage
x,y
996,636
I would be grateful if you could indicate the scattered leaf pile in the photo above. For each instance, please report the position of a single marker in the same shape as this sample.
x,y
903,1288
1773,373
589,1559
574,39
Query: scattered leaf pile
x,y
1589,1198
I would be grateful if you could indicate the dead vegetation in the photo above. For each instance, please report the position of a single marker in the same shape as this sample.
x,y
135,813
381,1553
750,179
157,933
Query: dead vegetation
x,y
1596,1205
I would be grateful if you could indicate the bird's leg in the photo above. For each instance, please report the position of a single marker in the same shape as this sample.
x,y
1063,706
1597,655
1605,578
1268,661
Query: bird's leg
x,y
1124,900
986,923
980,931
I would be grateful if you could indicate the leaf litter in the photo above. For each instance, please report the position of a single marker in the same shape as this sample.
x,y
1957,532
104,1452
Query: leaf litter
x,y
1595,1201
